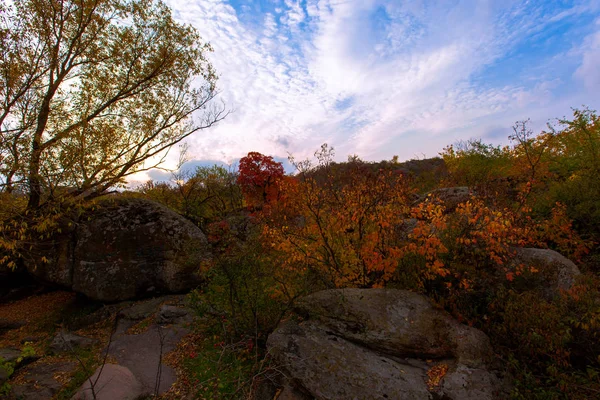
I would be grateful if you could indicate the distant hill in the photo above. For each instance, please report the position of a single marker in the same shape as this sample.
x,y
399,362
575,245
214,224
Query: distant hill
x,y
425,174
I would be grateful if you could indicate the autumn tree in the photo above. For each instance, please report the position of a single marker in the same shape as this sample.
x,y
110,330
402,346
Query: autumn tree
x,y
93,91
259,176
342,231
203,195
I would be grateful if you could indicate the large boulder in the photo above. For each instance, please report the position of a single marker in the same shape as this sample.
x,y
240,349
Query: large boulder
x,y
396,322
377,343
556,272
125,248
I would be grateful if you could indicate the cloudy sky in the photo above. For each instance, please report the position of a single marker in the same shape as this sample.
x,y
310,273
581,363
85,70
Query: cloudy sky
x,y
380,78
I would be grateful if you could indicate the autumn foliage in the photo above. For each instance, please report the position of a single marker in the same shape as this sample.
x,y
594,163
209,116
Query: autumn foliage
x,y
259,178
343,233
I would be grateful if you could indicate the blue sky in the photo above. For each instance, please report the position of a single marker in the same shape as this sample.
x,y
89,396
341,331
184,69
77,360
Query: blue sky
x,y
380,78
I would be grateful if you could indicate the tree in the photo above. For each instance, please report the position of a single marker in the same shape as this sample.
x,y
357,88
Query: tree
x,y
340,228
92,89
259,177
203,195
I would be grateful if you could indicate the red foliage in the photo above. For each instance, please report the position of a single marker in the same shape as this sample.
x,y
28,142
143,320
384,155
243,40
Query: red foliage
x,y
259,179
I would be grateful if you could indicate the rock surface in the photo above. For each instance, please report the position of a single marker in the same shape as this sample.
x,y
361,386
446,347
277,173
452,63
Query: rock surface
x,y
377,343
142,351
396,322
123,249
3,375
143,334
9,355
449,197
39,381
67,342
111,382
556,272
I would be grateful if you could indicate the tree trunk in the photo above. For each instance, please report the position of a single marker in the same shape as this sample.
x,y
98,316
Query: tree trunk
x,y
35,180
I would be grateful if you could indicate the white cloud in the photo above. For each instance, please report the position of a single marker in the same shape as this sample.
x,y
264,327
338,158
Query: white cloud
x,y
589,70
396,82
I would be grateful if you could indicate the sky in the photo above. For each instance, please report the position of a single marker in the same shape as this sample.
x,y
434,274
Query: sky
x,y
379,78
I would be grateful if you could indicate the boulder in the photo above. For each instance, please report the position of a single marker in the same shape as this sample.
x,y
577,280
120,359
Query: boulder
x,y
396,322
169,314
68,342
331,367
125,248
449,197
111,382
141,310
378,343
556,272
406,228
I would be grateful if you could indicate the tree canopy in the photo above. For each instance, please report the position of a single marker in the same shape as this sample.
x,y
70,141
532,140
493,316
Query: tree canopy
x,y
91,89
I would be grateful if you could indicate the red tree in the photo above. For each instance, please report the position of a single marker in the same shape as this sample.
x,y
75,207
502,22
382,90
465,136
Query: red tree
x,y
259,178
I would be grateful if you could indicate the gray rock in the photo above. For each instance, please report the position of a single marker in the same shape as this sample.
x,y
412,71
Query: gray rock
x,y
371,343
65,342
330,367
169,314
111,382
32,339
142,309
398,323
466,383
556,272
449,197
405,228
14,358
291,393
39,383
125,248
105,312
142,354
9,355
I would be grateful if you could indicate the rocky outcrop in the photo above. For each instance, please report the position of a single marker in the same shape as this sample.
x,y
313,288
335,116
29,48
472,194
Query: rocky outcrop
x,y
125,248
136,343
449,197
64,342
41,381
111,382
377,343
555,271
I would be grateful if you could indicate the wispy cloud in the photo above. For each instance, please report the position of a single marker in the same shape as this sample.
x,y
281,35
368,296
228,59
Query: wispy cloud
x,y
383,77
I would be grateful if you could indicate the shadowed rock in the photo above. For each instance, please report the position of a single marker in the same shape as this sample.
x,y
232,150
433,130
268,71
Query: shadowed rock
x,y
397,322
556,272
69,342
382,344
125,248
39,381
110,382
449,197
